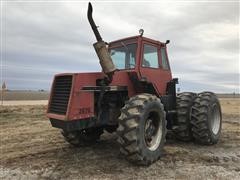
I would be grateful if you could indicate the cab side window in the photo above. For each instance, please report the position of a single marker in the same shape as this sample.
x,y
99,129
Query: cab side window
x,y
164,59
150,56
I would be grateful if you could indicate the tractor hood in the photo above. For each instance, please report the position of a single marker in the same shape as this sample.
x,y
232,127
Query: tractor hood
x,y
69,95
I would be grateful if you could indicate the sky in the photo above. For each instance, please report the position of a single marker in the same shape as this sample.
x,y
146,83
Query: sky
x,y
43,38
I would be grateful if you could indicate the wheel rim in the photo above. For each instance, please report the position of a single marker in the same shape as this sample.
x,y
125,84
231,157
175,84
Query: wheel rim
x,y
153,131
216,119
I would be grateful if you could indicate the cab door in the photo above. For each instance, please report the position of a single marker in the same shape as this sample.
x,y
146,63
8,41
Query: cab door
x,y
151,67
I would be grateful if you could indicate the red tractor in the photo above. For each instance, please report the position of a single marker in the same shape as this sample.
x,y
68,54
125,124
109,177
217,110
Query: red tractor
x,y
134,95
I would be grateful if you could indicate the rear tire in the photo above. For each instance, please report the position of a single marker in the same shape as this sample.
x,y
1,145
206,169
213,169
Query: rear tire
x,y
206,118
183,130
82,137
142,129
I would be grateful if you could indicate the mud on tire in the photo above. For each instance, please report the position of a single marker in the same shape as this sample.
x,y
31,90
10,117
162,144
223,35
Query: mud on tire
x,y
82,137
206,118
185,101
142,129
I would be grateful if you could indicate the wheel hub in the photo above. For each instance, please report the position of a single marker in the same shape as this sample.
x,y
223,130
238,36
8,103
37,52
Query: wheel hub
x,y
149,130
215,120
153,131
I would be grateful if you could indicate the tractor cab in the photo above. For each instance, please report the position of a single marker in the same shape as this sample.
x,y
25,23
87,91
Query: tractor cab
x,y
136,51
146,57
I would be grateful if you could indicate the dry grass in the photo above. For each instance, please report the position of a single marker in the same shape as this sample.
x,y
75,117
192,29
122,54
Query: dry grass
x,y
230,106
25,95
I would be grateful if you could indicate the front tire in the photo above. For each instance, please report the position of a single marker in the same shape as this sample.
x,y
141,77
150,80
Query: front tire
x,y
206,118
142,129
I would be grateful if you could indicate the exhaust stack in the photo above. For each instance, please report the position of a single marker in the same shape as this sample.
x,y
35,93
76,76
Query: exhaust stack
x,y
100,48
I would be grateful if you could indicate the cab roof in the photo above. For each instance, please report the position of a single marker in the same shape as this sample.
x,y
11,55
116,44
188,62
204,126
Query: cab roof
x,y
136,38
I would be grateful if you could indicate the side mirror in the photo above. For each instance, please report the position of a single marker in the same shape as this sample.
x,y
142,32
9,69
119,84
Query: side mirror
x,y
167,42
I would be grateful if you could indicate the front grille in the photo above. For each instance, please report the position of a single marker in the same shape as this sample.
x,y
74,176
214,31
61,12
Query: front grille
x,y
60,94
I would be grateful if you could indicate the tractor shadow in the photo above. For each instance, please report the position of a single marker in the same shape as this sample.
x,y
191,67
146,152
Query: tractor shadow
x,y
102,157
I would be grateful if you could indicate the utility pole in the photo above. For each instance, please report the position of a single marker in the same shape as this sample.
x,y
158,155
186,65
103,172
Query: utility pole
x,y
4,87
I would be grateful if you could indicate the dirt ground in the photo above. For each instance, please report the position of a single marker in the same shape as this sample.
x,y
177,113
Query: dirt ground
x,y
32,149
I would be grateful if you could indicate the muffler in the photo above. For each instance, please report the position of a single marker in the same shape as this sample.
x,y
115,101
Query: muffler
x,y
101,48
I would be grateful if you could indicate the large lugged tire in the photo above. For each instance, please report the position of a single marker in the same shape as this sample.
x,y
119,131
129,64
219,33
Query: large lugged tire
x,y
206,118
83,137
183,130
142,129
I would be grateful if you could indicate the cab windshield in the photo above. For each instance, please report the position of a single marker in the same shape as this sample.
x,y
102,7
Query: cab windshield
x,y
124,57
